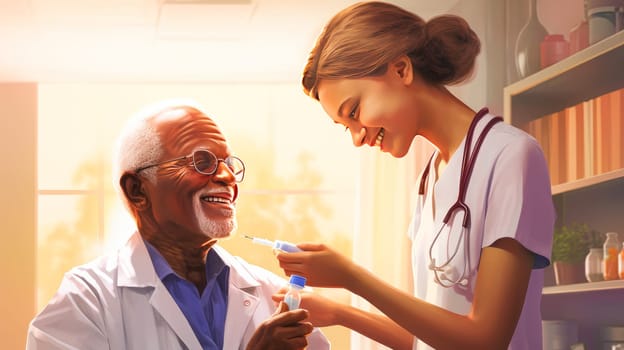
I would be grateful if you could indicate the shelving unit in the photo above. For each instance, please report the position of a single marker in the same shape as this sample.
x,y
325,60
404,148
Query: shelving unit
x,y
588,181
586,74
597,199
584,287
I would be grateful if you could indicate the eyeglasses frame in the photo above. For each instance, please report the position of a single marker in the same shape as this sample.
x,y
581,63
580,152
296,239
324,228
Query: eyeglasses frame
x,y
192,156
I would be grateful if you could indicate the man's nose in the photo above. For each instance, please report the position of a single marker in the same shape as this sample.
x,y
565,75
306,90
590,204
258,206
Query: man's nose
x,y
223,172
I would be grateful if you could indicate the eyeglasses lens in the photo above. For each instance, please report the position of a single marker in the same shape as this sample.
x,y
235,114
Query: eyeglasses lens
x,y
206,163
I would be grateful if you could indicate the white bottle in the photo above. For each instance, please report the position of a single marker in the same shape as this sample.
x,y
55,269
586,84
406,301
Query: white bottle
x,y
293,296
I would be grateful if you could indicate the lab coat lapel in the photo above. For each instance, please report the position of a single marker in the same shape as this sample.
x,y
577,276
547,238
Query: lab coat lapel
x,y
242,303
164,304
241,307
136,271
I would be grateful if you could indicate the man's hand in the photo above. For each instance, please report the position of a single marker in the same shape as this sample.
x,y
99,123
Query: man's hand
x,y
284,330
322,311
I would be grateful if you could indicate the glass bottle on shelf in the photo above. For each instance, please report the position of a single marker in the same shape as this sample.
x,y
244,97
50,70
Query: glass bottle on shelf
x,y
527,51
593,265
610,251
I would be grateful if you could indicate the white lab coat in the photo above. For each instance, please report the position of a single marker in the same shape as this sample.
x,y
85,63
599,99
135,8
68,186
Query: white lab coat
x,y
118,302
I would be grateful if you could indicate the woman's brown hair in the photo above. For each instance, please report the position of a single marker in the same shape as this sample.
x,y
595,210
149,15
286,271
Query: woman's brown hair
x,y
360,40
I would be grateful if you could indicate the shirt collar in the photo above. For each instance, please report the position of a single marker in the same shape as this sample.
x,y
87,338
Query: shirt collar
x,y
214,263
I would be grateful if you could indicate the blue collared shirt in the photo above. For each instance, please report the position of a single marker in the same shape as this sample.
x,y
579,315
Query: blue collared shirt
x,y
206,312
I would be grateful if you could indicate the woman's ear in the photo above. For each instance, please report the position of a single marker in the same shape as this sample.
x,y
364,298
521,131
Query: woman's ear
x,y
402,68
132,187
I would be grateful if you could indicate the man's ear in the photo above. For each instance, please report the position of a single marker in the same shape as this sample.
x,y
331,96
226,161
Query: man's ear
x,y
402,68
132,187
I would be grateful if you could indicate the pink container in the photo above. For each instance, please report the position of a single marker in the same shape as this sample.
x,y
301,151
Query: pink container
x,y
553,49
579,37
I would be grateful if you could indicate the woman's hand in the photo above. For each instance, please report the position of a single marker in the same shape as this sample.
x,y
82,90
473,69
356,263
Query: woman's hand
x,y
322,311
319,264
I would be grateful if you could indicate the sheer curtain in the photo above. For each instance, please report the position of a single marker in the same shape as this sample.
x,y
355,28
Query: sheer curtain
x,y
386,191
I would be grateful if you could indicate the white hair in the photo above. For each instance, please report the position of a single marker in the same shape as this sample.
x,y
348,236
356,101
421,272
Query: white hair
x,y
139,144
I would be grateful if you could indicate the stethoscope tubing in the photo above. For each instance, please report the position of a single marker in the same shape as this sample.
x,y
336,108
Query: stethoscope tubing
x,y
468,161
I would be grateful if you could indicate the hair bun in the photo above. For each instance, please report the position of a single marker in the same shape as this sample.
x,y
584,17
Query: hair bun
x,y
450,50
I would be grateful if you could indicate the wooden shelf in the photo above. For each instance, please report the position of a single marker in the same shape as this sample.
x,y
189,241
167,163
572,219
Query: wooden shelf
x,y
588,181
584,287
589,73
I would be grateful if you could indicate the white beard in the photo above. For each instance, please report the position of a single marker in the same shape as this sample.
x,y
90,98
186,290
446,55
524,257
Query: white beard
x,y
211,228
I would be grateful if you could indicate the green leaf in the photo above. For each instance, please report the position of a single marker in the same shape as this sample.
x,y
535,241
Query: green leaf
x,y
572,243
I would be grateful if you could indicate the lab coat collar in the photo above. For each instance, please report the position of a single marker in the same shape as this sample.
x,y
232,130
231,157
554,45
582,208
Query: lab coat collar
x,y
136,271
136,268
135,265
239,276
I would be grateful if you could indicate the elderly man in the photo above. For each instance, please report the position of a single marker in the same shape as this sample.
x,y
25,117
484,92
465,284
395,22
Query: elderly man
x,y
171,286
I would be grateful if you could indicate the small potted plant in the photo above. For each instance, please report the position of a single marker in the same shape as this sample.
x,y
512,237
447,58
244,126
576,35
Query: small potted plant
x,y
570,247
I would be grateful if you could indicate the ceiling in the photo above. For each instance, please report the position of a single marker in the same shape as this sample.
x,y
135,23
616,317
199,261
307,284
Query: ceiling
x,y
165,40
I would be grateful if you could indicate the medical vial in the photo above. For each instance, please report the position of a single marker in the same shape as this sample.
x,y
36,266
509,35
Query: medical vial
x,y
610,250
293,296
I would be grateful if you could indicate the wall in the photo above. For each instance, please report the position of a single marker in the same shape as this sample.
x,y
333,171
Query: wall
x,y
18,108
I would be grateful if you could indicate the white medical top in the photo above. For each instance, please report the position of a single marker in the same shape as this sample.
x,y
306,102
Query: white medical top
x,y
508,196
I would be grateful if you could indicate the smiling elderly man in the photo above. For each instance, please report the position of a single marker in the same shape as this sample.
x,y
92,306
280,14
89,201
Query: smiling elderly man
x,y
171,286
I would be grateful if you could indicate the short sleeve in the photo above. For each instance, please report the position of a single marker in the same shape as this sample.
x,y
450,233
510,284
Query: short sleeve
x,y
520,203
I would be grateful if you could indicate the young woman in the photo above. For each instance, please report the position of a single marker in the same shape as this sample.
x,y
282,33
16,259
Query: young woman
x,y
482,231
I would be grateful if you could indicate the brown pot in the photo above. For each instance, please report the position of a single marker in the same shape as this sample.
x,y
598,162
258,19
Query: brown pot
x,y
568,273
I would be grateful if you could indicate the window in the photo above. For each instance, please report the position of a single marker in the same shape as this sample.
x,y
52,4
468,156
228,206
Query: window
x,y
299,186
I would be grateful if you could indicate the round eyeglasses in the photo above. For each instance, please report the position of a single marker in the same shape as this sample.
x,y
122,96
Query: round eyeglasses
x,y
205,162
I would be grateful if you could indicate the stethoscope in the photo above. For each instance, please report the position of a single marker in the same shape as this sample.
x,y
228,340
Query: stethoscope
x,y
446,274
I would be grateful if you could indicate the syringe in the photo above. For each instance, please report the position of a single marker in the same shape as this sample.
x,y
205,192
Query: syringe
x,y
281,245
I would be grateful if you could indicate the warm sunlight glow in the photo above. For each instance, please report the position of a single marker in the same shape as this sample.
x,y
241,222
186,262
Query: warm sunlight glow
x,y
119,228
299,185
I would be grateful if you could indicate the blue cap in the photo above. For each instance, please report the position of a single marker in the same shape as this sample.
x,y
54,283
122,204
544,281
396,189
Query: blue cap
x,y
298,280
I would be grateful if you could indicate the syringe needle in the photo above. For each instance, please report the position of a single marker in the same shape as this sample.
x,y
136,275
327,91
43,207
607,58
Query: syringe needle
x,y
281,245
